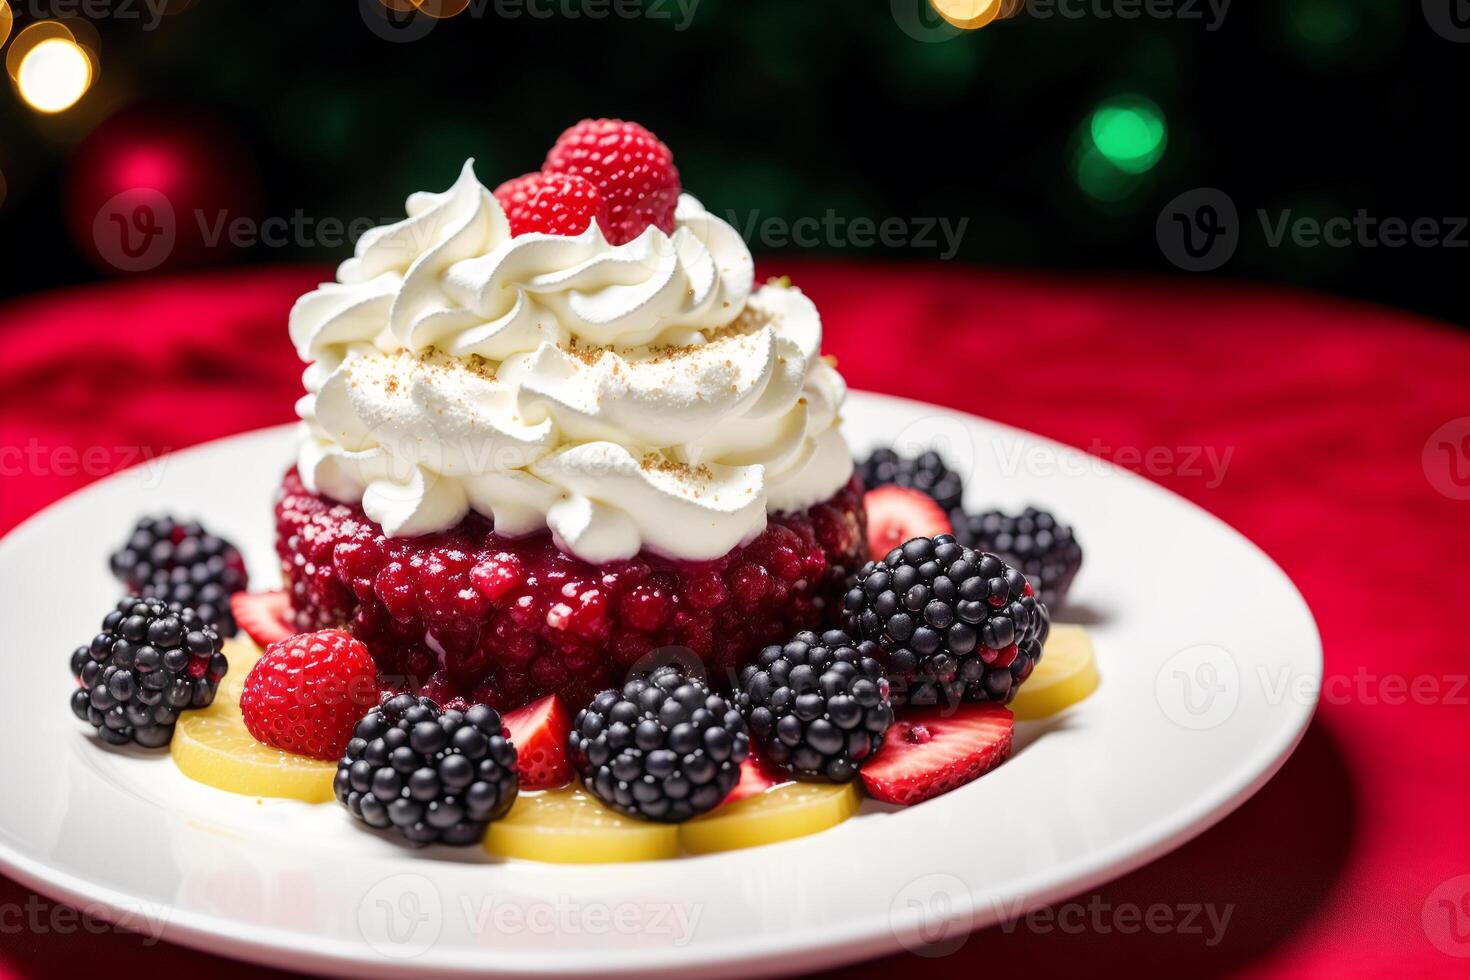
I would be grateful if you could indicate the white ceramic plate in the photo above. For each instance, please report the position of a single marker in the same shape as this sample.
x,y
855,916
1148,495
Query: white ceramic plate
x,y
1210,663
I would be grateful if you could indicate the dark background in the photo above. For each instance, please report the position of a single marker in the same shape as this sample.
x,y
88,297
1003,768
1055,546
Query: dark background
x,y
778,109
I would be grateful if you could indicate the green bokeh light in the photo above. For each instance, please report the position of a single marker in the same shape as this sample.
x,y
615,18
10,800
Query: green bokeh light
x,y
1129,132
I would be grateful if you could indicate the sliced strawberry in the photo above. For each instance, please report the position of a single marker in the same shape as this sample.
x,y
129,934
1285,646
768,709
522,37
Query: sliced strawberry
x,y
929,752
756,776
539,733
897,514
265,616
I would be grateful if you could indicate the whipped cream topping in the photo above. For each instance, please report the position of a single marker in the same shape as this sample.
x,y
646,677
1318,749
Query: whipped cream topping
x,y
624,397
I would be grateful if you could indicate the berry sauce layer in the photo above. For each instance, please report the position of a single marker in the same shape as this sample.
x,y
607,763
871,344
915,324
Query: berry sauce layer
x,y
469,614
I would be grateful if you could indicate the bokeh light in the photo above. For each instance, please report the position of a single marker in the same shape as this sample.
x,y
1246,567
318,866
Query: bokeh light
x,y
1130,133
53,75
967,15
441,9
7,20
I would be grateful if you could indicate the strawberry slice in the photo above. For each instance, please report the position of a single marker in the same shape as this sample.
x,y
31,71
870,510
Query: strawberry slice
x,y
264,616
539,733
930,752
756,776
897,514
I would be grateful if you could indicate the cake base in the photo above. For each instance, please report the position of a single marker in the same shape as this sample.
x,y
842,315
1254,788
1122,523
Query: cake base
x,y
469,614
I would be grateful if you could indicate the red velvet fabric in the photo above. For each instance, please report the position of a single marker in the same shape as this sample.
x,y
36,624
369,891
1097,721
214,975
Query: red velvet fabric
x,y
1325,409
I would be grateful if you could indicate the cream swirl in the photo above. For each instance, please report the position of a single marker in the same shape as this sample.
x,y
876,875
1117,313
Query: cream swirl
x,y
625,397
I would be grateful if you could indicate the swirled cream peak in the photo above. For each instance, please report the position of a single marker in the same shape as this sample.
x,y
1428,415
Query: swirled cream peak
x,y
624,397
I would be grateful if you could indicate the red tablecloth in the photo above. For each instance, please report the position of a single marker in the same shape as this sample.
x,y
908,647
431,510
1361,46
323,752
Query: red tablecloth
x,y
1325,409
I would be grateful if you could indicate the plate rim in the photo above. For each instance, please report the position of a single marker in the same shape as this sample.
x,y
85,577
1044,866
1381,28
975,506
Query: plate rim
x,y
836,945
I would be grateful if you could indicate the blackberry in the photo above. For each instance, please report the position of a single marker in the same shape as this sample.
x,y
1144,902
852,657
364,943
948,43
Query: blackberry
x,y
151,661
664,748
1045,550
955,624
926,472
432,775
817,707
182,562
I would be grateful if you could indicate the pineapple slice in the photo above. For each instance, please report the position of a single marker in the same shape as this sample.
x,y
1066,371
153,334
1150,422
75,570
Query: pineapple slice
x,y
571,826
1066,673
212,746
781,813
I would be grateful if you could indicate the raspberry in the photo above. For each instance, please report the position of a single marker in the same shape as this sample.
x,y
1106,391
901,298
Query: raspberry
x,y
553,204
549,623
632,169
308,691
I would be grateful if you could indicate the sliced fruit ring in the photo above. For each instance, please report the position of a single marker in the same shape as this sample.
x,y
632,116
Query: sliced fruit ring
x,y
897,514
571,826
213,747
264,616
1065,674
787,811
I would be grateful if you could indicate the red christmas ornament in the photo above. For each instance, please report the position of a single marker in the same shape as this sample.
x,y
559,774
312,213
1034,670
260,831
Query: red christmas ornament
x,y
158,187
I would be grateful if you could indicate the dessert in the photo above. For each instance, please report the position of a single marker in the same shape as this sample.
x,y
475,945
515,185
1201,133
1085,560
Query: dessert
x,y
577,564
527,460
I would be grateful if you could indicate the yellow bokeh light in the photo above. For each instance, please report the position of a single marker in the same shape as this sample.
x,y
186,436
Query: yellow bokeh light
x,y
7,21
967,15
53,75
